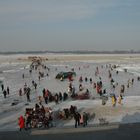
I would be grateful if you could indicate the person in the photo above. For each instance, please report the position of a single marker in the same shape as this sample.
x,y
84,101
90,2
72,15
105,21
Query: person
x,y
8,90
60,96
112,81
40,99
70,87
56,98
4,93
46,122
28,94
128,83
100,83
33,82
80,79
120,99
97,71
138,78
86,79
50,119
98,88
110,75
80,87
85,119
65,96
72,110
39,77
35,86
28,121
77,118
81,120
90,80
94,85
114,100
122,89
104,99
73,92
46,95
87,91
30,71
23,75
25,88
37,107
21,123
2,87
44,91
20,92
132,81
104,91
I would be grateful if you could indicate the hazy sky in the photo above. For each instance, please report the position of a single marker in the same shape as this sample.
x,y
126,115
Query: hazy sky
x,y
69,25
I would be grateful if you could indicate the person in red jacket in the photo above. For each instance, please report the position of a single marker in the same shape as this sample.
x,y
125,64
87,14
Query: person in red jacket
x,y
21,123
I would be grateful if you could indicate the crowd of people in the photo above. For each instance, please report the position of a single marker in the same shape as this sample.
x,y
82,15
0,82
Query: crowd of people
x,y
41,117
37,115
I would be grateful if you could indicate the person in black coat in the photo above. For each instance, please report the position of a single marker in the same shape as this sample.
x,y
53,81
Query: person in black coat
x,y
77,118
44,91
4,93
28,94
28,122
2,87
60,96
8,91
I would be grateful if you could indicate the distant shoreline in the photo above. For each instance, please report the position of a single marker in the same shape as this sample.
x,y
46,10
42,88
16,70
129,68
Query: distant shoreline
x,y
69,52
70,57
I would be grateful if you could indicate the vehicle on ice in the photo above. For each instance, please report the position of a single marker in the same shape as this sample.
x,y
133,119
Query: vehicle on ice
x,y
65,75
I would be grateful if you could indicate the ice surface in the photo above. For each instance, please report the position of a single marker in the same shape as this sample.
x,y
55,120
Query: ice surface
x,y
12,77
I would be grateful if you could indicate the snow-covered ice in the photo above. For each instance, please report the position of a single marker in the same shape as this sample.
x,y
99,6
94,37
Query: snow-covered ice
x,y
11,72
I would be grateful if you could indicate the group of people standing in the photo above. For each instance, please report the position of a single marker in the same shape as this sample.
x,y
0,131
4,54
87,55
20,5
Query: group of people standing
x,y
5,91
57,97
81,119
